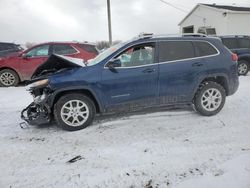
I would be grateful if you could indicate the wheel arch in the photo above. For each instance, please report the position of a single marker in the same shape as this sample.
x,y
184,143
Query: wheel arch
x,y
246,58
85,91
19,77
219,79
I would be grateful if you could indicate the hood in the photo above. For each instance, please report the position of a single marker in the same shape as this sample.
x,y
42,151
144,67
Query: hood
x,y
57,63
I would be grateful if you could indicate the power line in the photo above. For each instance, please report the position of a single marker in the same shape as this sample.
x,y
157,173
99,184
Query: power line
x,y
180,9
174,6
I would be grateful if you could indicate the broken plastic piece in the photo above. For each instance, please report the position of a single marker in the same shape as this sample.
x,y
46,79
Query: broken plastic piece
x,y
77,158
23,125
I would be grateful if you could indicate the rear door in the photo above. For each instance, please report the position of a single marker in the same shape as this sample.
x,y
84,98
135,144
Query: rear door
x,y
133,82
179,69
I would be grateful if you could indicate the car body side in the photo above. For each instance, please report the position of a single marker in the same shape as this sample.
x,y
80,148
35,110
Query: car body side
x,y
177,84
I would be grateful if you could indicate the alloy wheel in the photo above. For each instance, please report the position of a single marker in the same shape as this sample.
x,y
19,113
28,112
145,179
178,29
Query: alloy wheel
x,y
74,113
211,99
7,79
242,68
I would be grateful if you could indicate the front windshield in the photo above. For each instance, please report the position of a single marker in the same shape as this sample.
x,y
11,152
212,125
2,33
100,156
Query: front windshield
x,y
104,54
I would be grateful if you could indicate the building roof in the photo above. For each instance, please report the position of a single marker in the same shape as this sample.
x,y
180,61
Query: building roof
x,y
232,8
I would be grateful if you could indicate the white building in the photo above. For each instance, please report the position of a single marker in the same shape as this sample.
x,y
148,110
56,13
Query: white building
x,y
217,19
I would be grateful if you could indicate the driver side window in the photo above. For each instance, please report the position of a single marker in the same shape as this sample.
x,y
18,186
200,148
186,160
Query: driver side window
x,y
137,55
39,51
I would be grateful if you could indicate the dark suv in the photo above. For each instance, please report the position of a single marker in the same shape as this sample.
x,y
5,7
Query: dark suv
x,y
9,48
146,72
241,46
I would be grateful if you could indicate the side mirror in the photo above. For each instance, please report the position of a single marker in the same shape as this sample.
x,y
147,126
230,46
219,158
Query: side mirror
x,y
25,56
112,64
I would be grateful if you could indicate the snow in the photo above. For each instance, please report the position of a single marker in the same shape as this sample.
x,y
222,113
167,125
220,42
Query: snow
x,y
175,148
232,174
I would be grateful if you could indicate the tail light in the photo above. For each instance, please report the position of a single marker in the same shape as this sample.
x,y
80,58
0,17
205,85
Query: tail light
x,y
234,57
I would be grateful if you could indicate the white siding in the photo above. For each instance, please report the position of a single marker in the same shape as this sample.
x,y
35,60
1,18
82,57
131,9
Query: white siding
x,y
238,24
229,24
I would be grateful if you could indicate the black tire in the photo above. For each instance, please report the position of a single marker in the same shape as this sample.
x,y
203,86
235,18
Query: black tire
x,y
199,99
8,78
243,67
71,99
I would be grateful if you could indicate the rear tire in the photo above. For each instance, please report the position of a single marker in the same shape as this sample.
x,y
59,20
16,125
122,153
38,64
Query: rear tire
x,y
243,67
74,112
8,78
209,99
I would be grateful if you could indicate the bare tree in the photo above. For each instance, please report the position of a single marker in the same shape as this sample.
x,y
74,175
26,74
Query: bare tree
x,y
29,44
105,44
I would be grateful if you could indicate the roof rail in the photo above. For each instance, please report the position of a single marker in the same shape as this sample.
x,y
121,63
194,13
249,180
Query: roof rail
x,y
235,36
145,35
151,35
242,36
193,35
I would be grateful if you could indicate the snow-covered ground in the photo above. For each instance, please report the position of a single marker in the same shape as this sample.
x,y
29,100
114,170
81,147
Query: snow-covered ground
x,y
163,149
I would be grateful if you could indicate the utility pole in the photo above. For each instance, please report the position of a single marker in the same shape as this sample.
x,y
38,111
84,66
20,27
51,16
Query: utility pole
x,y
109,22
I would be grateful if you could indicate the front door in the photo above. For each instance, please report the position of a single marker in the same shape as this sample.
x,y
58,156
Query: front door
x,y
130,80
32,59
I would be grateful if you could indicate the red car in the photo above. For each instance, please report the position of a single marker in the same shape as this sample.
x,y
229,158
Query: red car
x,y
21,66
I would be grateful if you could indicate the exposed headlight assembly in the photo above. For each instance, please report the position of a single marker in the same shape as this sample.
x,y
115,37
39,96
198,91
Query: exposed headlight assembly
x,y
38,84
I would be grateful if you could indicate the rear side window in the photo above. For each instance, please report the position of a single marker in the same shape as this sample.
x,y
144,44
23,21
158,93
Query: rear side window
x,y
244,43
175,50
89,48
204,49
230,43
63,49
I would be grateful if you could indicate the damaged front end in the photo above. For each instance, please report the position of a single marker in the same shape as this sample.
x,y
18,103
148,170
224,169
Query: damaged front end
x,y
38,112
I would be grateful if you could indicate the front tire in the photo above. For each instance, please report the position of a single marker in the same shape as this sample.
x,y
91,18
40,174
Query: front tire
x,y
8,78
243,67
74,112
209,99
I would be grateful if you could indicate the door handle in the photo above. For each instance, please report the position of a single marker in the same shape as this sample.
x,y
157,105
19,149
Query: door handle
x,y
148,70
197,64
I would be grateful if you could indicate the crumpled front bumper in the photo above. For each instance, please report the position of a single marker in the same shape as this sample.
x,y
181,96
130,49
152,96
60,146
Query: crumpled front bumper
x,y
38,112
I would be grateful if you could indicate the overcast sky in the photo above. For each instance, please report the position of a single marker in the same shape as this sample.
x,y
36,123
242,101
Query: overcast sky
x,y
86,20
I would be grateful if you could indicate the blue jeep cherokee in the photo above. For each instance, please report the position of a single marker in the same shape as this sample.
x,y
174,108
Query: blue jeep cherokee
x,y
239,45
148,71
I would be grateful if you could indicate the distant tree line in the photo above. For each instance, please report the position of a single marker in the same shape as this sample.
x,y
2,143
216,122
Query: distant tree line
x,y
29,44
105,44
